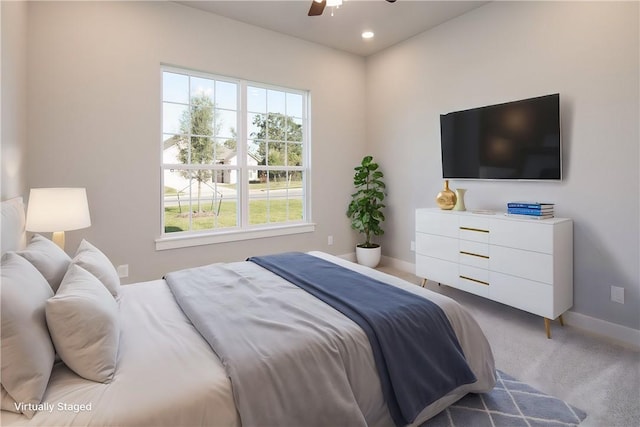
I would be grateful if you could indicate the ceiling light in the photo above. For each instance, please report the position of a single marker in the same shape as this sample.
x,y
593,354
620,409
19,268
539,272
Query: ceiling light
x,y
334,3
367,35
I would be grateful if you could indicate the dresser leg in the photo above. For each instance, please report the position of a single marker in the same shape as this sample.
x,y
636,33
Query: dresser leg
x,y
547,327
424,282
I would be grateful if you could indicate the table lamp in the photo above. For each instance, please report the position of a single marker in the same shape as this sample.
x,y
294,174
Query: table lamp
x,y
57,210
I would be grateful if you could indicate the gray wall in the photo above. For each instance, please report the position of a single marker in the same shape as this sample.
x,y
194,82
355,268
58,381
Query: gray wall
x,y
14,99
586,51
94,121
94,118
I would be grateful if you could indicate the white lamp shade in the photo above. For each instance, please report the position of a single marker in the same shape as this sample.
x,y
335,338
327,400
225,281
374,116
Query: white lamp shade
x,y
57,209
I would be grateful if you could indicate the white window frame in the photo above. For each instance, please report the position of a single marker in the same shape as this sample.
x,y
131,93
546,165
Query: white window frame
x,y
244,231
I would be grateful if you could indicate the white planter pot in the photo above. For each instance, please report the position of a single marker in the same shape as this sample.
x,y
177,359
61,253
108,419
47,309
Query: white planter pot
x,y
369,257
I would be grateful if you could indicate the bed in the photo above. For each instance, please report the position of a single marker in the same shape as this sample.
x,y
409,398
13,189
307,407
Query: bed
x,y
166,373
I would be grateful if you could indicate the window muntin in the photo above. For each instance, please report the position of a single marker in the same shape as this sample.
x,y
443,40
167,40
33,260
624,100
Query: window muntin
x,y
226,168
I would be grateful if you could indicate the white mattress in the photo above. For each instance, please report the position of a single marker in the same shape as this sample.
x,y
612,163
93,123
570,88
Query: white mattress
x,y
167,375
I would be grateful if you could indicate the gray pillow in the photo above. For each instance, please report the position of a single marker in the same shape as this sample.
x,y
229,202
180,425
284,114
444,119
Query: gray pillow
x,y
84,325
48,258
95,262
27,351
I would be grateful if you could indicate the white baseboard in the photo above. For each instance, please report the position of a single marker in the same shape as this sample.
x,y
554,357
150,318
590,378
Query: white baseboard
x,y
385,261
349,257
612,331
407,267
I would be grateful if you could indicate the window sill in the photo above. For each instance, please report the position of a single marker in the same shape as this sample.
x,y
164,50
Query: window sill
x,y
170,242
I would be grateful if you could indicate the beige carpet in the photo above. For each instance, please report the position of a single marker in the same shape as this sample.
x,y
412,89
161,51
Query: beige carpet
x,y
590,372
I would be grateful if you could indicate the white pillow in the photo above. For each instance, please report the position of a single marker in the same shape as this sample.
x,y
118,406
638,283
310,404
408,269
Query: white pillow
x,y
12,220
48,258
84,325
27,351
95,262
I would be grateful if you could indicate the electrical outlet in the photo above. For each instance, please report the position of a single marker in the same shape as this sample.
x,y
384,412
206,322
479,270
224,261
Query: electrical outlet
x,y
123,270
413,246
617,294
330,240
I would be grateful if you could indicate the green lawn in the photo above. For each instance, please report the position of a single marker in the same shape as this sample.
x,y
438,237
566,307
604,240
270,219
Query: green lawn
x,y
175,221
170,190
277,211
273,185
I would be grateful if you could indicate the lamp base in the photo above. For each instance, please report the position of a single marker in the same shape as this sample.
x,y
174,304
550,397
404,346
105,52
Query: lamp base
x,y
58,238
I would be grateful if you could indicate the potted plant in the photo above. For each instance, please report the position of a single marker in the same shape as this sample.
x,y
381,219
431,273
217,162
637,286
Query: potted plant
x,y
365,210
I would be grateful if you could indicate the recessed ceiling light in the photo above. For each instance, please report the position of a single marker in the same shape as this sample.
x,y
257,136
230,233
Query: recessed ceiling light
x,y
367,35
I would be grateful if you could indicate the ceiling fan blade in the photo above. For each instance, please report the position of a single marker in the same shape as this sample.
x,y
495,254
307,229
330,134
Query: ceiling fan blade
x,y
317,8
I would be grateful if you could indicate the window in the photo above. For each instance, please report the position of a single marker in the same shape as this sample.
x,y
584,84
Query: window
x,y
234,155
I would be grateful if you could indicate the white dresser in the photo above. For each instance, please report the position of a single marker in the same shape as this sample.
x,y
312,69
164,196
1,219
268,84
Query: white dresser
x,y
524,263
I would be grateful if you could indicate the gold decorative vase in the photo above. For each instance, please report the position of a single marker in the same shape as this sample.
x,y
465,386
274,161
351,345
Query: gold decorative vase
x,y
446,199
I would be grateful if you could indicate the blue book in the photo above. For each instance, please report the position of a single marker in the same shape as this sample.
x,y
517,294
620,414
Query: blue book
x,y
529,211
530,205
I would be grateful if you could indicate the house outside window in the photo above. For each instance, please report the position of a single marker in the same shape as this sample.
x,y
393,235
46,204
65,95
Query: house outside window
x,y
235,156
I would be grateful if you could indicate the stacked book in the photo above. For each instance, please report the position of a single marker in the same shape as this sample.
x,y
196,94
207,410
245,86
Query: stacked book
x,y
531,210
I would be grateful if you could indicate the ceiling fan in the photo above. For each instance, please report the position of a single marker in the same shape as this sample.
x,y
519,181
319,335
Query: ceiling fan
x,y
317,6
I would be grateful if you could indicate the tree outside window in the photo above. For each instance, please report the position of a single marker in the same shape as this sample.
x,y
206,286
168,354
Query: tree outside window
x,y
207,185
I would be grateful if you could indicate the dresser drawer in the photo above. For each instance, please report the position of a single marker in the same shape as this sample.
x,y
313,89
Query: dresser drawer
x,y
535,266
527,295
473,287
478,222
474,254
528,235
474,274
437,246
440,223
437,270
474,228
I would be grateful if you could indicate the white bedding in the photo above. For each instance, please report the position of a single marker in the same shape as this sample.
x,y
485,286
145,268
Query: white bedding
x,y
167,375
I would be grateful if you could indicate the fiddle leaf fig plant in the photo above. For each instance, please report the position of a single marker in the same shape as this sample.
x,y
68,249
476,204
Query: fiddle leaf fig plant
x,y
365,209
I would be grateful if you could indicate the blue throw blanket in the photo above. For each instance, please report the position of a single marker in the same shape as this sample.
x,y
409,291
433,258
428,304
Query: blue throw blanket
x,y
416,351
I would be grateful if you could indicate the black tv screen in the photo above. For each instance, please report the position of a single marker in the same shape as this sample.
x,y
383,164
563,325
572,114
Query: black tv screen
x,y
514,140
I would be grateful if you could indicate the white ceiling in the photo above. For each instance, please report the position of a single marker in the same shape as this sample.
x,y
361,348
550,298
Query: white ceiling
x,y
391,22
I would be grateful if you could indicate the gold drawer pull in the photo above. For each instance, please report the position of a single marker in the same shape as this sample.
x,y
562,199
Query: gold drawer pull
x,y
475,280
479,230
472,254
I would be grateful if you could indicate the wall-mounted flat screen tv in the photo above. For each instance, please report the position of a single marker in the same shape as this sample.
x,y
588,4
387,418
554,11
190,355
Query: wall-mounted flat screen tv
x,y
517,140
